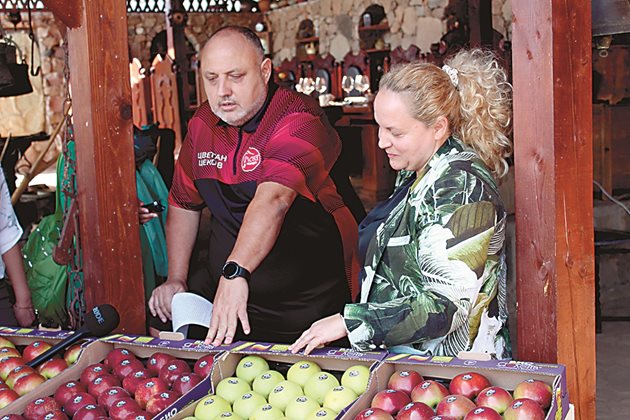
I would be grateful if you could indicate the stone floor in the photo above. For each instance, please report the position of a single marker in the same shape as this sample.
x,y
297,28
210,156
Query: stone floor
x,y
613,371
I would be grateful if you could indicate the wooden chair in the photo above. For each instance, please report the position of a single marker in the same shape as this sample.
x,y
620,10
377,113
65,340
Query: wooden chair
x,y
140,94
165,99
401,56
327,68
288,72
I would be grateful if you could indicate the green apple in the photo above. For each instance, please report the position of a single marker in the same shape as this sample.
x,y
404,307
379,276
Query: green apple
x,y
301,372
267,412
298,407
283,393
322,413
318,385
211,406
247,403
250,367
265,383
356,378
229,415
231,388
339,398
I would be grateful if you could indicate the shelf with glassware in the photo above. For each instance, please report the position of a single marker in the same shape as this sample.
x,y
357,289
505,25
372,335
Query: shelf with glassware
x,y
306,48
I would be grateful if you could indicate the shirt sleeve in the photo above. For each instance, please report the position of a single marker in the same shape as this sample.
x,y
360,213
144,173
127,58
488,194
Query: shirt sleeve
x,y
301,153
10,229
452,252
184,193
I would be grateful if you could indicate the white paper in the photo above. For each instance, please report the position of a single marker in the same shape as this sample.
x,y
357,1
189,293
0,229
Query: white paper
x,y
190,309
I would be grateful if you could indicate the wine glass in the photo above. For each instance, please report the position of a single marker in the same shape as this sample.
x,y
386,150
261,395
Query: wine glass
x,y
298,85
320,85
361,83
347,84
308,85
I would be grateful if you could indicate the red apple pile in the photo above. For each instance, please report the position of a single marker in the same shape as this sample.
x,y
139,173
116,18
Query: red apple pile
x,y
469,396
121,387
17,379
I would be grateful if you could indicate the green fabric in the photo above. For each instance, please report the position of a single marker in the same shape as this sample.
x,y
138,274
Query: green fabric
x,y
46,279
435,274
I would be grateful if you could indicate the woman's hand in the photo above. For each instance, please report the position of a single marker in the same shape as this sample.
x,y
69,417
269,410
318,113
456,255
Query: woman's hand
x,y
24,314
321,333
144,215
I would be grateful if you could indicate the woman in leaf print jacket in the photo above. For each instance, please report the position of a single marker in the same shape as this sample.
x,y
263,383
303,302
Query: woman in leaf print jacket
x,y
434,276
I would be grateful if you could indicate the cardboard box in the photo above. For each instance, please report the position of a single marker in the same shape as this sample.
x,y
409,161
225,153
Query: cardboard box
x,y
506,374
330,359
143,347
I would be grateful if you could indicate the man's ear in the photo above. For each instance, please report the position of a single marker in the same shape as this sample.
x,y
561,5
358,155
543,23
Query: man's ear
x,y
441,128
265,68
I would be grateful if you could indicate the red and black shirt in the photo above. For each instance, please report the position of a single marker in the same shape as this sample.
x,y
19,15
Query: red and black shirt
x,y
289,141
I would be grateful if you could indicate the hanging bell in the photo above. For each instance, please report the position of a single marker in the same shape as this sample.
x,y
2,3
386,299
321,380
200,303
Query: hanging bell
x,y
18,72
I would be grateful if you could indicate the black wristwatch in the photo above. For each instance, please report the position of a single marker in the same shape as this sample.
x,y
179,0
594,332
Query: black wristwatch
x,y
232,270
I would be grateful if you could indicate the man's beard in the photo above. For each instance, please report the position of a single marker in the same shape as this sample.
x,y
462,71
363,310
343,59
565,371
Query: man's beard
x,y
240,115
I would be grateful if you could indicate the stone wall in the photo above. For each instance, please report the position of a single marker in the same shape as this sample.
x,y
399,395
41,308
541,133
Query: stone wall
x,y
418,22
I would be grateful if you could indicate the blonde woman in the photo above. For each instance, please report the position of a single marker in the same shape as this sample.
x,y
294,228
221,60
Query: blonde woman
x,y
434,273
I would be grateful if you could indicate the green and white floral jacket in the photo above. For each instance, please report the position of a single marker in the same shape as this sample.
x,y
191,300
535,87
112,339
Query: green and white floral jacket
x,y
435,273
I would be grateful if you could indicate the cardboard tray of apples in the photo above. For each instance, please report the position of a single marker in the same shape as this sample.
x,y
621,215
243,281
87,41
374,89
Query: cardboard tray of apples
x,y
123,377
261,381
412,387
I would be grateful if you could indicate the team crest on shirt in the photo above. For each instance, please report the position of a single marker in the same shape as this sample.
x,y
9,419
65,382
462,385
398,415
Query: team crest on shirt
x,y
251,159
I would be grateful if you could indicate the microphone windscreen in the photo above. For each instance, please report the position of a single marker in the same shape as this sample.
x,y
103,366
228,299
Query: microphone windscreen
x,y
101,320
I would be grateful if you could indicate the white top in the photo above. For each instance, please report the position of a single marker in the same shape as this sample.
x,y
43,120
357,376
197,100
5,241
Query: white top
x,y
10,229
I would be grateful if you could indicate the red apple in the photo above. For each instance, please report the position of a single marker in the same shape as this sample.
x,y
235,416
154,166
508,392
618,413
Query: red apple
x,y
131,381
524,409
5,342
38,408
68,390
7,364
534,390
125,367
373,414
468,384
79,400
170,371
52,368
92,372
7,396
404,380
17,373
141,415
72,354
455,406
111,395
55,415
9,352
390,400
156,361
494,397
90,412
186,382
429,392
203,366
34,349
161,401
12,417
147,389
123,409
27,383
415,411
102,383
483,413
116,355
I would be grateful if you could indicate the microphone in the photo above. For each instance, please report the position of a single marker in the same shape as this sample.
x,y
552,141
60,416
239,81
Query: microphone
x,y
101,320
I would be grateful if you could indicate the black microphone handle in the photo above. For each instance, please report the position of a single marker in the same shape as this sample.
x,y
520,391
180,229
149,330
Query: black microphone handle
x,y
62,345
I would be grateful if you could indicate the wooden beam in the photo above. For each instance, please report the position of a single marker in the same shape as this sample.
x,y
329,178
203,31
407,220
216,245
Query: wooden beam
x,y
101,97
480,23
554,208
67,11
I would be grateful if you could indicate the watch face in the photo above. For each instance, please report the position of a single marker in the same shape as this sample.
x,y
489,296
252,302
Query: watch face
x,y
230,269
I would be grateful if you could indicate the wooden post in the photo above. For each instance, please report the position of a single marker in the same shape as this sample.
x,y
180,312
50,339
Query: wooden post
x,y
101,97
480,23
554,208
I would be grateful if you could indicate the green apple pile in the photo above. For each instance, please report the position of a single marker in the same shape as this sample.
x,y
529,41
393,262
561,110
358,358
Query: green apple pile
x,y
256,392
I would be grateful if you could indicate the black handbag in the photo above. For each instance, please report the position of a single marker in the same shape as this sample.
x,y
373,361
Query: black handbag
x,y
14,78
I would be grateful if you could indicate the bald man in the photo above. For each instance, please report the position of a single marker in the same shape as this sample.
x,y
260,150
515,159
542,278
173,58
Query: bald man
x,y
282,239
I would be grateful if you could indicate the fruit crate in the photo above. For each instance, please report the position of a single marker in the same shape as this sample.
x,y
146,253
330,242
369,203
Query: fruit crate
x,y
501,373
143,348
331,360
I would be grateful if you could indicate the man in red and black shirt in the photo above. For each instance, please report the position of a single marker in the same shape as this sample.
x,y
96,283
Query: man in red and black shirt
x,y
282,239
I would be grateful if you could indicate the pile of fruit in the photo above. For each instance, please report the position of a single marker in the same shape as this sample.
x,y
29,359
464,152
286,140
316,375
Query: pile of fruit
x,y
257,392
17,379
121,387
468,396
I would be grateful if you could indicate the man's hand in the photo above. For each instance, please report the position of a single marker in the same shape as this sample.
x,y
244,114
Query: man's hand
x,y
160,301
229,306
144,215
321,333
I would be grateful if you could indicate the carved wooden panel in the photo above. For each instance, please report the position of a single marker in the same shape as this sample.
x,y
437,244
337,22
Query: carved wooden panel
x,y
288,72
164,97
140,93
359,61
400,55
326,67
